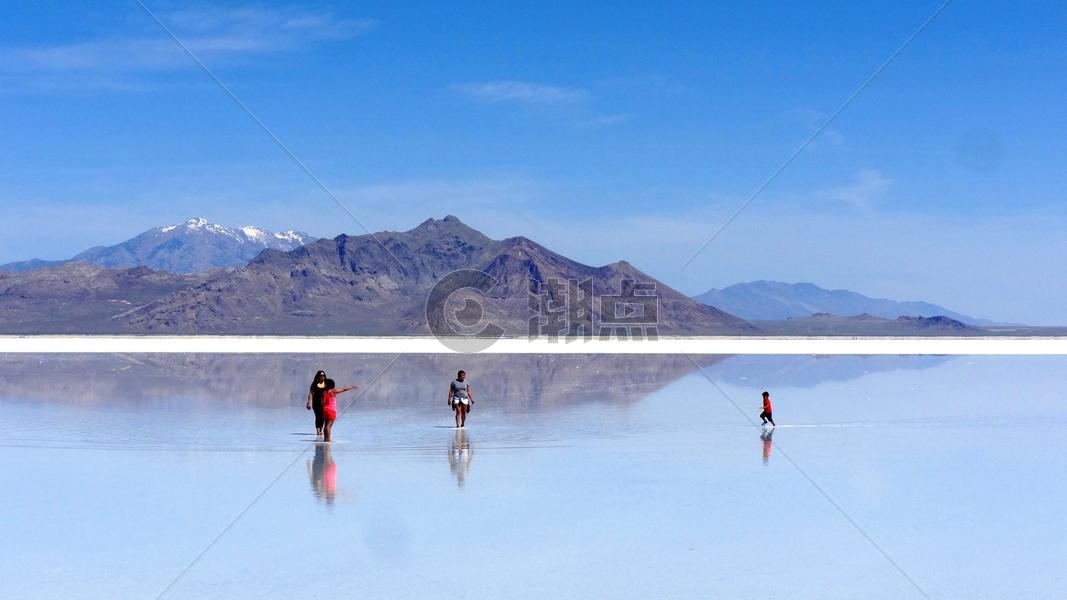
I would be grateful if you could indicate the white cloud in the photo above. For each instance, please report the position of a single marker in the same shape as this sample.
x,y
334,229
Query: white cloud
x,y
213,34
281,24
867,188
522,92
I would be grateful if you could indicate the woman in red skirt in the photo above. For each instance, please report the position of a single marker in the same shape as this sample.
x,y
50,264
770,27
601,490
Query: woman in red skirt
x,y
329,406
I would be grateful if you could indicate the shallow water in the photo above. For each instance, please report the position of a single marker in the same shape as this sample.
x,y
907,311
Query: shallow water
x,y
578,476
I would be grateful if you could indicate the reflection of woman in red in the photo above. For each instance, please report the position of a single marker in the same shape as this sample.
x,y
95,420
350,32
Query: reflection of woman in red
x,y
329,479
322,472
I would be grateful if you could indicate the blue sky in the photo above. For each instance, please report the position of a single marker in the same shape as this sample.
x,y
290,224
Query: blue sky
x,y
601,131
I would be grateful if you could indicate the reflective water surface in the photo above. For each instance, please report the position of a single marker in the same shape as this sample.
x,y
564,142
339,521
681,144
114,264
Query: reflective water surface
x,y
198,476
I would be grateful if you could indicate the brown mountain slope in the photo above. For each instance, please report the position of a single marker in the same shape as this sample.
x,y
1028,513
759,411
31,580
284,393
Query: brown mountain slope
x,y
80,297
354,285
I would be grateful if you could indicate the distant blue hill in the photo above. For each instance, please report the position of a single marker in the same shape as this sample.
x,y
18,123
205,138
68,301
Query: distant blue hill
x,y
775,300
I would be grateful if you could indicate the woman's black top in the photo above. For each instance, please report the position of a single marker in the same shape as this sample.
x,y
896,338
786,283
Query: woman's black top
x,y
316,395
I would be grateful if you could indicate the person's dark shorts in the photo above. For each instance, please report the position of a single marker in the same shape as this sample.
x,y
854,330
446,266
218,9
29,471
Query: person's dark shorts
x,y
764,415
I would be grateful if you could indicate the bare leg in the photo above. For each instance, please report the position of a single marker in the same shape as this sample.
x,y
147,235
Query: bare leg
x,y
463,414
327,428
456,408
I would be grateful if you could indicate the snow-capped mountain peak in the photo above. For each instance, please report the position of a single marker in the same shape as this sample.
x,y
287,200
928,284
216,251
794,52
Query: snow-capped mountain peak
x,y
254,233
195,245
244,234
193,224
293,236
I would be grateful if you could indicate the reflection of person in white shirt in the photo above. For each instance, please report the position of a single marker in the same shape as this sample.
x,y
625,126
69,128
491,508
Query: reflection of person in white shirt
x,y
460,398
459,456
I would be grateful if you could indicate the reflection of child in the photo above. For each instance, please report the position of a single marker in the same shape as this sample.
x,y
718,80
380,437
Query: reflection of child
x,y
329,406
768,443
765,416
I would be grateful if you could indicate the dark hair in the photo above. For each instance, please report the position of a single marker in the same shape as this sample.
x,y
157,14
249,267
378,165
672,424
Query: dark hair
x,y
330,384
460,373
766,393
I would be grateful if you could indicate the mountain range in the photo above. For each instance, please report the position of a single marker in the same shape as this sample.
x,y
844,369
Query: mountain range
x,y
349,285
198,277
774,300
194,246
868,325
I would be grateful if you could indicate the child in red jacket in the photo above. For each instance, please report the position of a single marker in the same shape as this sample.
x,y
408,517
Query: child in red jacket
x,y
766,414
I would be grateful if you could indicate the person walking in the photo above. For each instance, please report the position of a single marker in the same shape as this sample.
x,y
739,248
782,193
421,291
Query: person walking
x,y
315,393
460,398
